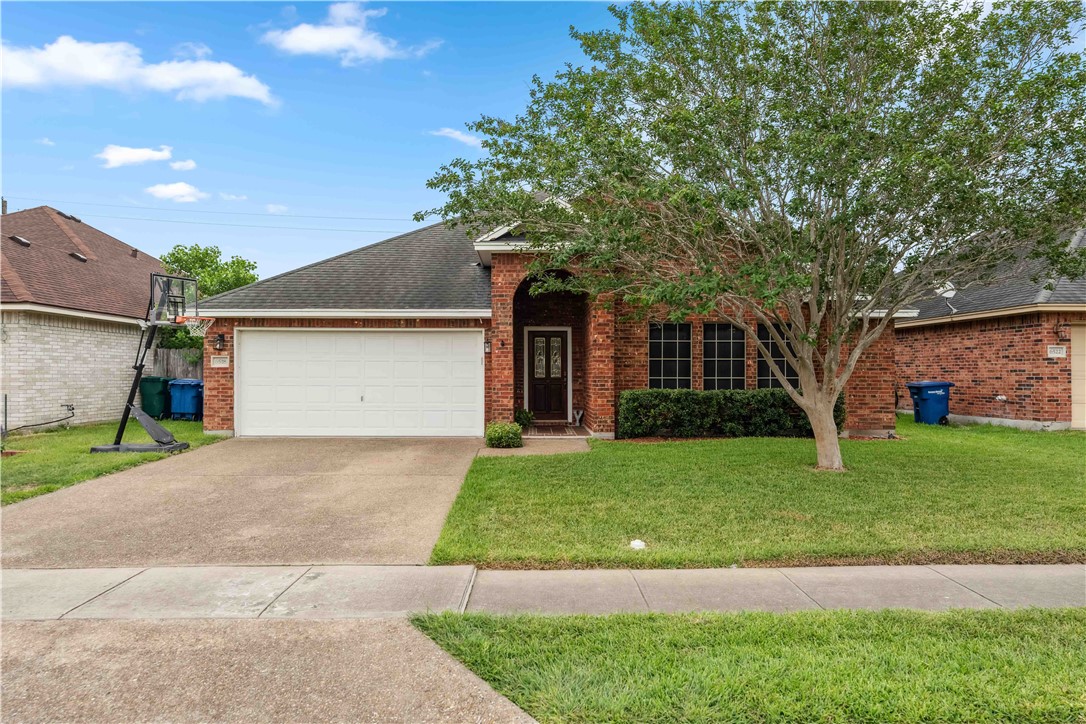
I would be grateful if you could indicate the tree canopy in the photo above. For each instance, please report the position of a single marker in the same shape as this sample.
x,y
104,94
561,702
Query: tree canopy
x,y
215,276
817,166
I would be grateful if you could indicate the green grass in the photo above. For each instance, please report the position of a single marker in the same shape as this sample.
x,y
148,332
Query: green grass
x,y
811,666
58,458
942,494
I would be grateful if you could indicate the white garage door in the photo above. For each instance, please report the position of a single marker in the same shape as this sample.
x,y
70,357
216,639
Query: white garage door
x,y
371,383
1078,377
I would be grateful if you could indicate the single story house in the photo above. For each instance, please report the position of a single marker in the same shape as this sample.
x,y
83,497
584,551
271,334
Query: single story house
x,y
1016,351
72,301
432,333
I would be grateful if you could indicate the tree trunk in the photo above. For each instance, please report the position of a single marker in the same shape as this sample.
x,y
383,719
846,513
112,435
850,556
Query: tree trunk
x,y
825,433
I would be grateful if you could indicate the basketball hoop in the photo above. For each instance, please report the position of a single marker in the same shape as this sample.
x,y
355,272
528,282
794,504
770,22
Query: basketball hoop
x,y
197,326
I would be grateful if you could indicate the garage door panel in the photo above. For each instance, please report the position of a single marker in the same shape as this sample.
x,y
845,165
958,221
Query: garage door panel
x,y
359,382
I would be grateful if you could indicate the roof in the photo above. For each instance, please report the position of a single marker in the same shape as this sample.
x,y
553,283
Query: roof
x,y
1013,293
114,279
432,268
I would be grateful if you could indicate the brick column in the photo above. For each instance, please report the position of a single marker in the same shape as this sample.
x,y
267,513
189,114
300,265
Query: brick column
x,y
600,402
506,274
869,393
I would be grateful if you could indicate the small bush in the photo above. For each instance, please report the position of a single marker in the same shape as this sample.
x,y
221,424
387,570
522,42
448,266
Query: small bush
x,y
524,418
503,434
716,413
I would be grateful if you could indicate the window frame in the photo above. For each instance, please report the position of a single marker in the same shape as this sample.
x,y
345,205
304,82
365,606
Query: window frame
x,y
658,358
769,380
711,363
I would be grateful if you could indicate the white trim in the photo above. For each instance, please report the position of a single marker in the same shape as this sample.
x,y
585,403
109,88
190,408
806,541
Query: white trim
x,y
569,365
349,313
497,233
235,367
44,309
899,314
991,313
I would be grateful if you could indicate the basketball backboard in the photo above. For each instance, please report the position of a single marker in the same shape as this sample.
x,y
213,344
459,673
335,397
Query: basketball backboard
x,y
172,297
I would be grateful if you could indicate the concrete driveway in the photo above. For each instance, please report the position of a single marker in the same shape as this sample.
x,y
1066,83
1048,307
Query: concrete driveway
x,y
250,501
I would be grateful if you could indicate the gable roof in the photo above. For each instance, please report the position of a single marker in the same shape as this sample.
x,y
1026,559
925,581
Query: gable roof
x,y
112,277
1013,293
432,269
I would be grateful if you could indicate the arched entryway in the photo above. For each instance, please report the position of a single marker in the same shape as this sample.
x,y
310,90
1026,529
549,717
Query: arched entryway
x,y
549,344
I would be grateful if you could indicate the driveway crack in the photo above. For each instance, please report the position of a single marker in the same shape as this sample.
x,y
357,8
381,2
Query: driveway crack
x,y
307,570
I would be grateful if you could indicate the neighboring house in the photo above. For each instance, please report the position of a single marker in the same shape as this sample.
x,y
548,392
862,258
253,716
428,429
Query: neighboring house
x,y
72,298
1016,352
429,333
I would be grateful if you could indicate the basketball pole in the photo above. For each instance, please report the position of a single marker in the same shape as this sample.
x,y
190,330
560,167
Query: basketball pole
x,y
141,358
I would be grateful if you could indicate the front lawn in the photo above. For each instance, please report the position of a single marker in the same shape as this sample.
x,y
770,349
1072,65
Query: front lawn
x,y
58,458
942,494
811,666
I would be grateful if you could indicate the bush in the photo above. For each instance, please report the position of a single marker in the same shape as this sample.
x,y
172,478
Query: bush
x,y
524,418
503,434
716,413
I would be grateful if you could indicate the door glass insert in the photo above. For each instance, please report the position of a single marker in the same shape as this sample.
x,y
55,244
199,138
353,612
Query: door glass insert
x,y
556,356
540,355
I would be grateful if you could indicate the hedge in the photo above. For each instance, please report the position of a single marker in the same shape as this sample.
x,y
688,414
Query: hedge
x,y
503,434
716,413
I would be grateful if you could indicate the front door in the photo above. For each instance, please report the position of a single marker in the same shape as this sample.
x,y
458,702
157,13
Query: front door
x,y
547,374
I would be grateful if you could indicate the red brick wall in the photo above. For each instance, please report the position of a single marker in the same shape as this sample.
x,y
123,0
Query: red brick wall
x,y
869,392
601,403
219,381
506,273
985,358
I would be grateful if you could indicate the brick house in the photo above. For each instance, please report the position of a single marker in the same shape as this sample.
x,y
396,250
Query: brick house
x,y
1016,352
72,301
431,333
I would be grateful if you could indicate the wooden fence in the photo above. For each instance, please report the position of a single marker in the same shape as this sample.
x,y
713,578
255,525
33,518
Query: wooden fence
x,y
175,363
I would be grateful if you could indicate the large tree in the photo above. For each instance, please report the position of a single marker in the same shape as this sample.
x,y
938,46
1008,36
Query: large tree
x,y
811,167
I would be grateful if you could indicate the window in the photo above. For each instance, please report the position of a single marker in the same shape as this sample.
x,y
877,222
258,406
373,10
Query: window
x,y
766,378
724,365
669,356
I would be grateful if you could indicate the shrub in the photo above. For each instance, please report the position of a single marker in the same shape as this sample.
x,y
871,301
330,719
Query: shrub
x,y
503,434
716,413
524,418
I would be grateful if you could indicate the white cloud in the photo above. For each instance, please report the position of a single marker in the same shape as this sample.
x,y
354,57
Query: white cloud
x,y
180,192
276,209
194,51
68,62
345,35
183,165
115,156
459,136
232,197
46,141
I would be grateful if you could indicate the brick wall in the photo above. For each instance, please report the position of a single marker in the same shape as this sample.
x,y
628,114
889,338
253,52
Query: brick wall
x,y
50,360
219,381
986,358
557,309
869,394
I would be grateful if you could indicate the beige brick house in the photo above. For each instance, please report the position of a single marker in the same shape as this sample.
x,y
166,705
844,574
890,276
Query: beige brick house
x,y
72,298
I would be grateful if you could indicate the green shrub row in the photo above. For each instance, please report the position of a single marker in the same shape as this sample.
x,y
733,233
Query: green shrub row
x,y
716,413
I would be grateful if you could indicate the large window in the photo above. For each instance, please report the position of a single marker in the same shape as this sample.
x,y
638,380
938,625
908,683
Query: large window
x,y
724,361
669,356
766,378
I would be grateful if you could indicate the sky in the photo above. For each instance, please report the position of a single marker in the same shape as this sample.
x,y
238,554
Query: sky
x,y
134,116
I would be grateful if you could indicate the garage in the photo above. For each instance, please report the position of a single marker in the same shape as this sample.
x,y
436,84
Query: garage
x,y
347,383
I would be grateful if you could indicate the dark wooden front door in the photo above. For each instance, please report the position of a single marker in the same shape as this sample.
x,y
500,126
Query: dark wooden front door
x,y
547,374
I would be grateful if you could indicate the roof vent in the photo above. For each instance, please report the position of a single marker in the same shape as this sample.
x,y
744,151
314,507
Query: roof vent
x,y
20,240
77,255
135,253
69,216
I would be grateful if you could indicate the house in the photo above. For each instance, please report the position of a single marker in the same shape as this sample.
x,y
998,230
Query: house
x,y
431,333
72,301
1015,351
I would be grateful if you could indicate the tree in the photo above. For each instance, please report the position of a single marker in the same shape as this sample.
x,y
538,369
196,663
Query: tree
x,y
811,167
215,276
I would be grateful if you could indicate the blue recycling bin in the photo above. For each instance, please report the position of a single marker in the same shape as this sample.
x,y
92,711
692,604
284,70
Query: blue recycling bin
x,y
186,399
931,401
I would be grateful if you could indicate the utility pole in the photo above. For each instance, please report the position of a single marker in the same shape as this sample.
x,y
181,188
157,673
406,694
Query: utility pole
x,y
3,205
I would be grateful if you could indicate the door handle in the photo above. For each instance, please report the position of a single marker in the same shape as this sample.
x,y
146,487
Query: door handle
x,y
362,398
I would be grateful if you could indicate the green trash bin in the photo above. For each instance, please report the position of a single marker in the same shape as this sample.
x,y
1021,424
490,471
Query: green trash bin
x,y
155,395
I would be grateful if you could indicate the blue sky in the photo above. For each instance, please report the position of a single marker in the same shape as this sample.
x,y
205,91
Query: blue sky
x,y
285,111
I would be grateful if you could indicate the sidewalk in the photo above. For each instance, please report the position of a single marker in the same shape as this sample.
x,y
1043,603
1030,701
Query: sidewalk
x,y
344,592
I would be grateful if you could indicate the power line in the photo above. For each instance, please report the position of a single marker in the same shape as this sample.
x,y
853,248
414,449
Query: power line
x,y
248,226
205,211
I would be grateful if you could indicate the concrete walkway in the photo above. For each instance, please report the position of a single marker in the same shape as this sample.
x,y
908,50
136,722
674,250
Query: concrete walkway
x,y
345,592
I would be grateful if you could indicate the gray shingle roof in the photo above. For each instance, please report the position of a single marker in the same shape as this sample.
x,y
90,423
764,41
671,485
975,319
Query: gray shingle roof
x,y
1013,293
435,267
